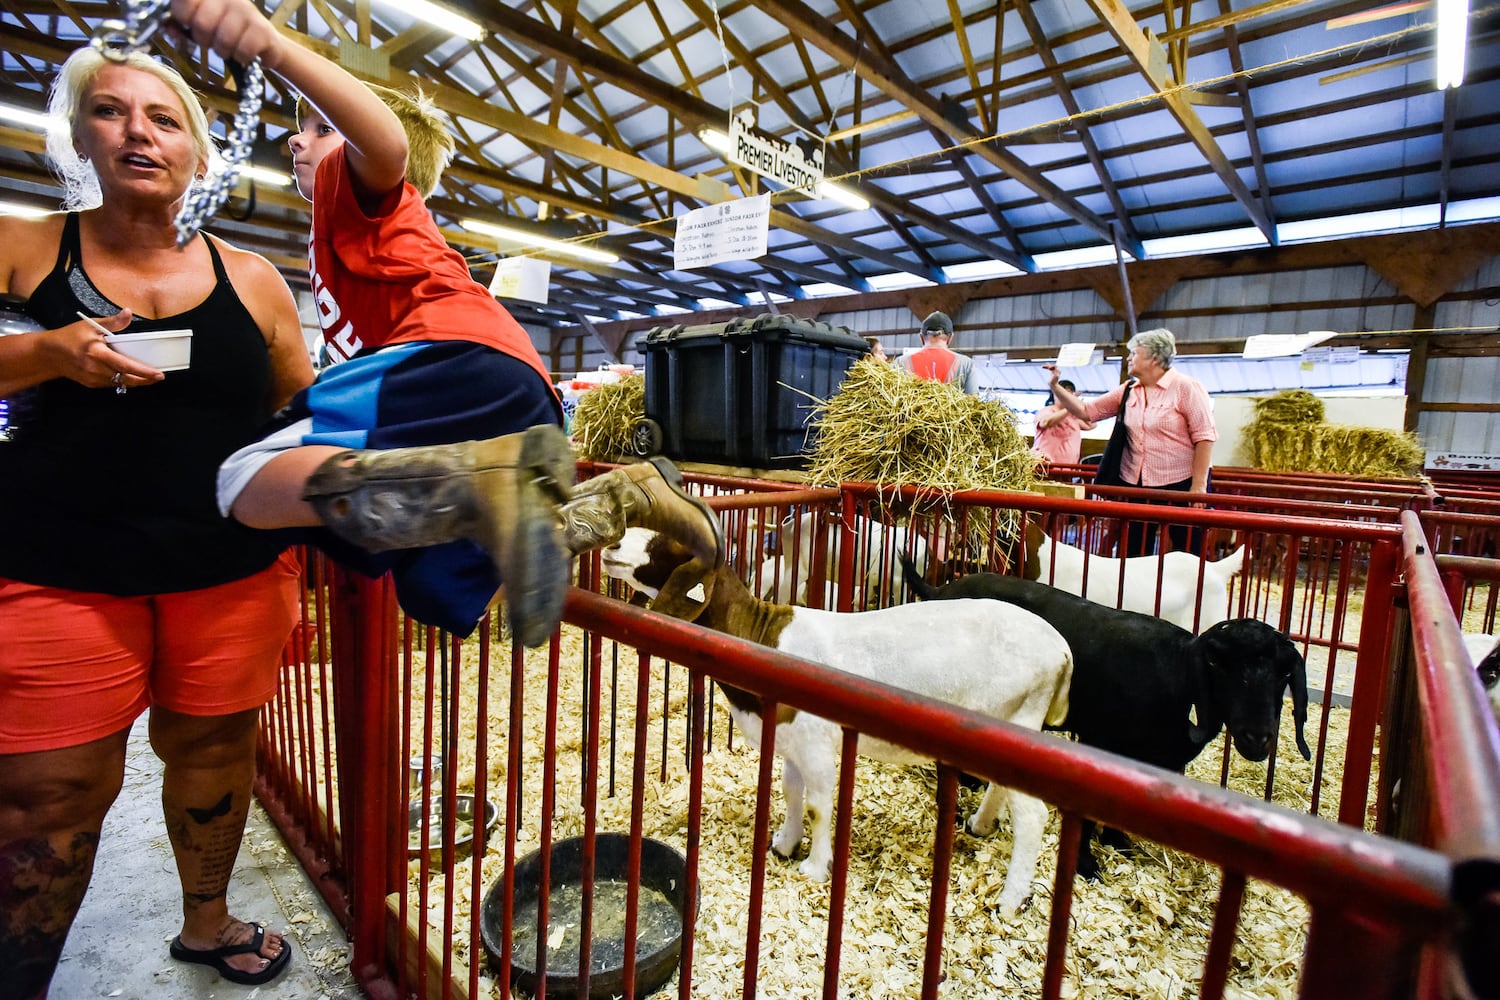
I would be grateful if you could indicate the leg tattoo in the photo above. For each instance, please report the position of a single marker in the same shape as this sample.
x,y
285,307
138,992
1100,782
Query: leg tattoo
x,y
41,889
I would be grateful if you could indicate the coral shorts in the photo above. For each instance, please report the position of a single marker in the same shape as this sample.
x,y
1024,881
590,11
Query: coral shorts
x,y
77,666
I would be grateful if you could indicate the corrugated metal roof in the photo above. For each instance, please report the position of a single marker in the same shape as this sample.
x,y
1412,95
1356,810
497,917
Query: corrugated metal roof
x,y
1257,116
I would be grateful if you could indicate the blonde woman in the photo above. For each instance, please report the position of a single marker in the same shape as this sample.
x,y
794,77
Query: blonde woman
x,y
121,587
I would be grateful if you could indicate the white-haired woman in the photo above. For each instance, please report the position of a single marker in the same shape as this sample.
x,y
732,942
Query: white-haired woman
x,y
121,586
1169,427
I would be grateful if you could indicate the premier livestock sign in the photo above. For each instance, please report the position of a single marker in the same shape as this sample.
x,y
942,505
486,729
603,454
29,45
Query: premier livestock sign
x,y
797,164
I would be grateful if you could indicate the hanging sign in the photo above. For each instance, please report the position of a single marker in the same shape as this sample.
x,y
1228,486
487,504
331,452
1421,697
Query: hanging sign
x,y
730,230
522,278
1075,355
1281,345
797,164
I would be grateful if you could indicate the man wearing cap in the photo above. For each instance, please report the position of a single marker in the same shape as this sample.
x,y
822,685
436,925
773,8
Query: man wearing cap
x,y
935,362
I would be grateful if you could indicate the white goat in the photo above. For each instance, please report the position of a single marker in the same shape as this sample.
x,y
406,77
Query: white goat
x,y
877,546
1062,566
986,656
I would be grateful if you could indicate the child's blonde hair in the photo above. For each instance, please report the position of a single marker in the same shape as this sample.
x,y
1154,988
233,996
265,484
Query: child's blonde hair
x,y
429,144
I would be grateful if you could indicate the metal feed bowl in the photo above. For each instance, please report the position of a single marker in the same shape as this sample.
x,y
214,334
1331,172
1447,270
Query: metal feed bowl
x,y
463,828
662,903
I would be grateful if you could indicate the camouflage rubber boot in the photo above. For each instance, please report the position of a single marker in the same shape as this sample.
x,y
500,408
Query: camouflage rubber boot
x,y
504,494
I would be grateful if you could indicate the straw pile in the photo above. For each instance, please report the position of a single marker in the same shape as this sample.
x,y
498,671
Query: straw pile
x,y
606,418
1288,435
884,426
1291,406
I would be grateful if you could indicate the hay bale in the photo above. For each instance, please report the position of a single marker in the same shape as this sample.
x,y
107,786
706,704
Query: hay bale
x,y
1290,406
884,426
606,419
1288,435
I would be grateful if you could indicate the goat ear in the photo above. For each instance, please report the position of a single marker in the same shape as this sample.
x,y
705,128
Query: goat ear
x,y
1298,684
673,597
1209,720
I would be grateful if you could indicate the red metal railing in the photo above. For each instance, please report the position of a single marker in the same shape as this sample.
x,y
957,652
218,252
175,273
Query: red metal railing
x,y
337,740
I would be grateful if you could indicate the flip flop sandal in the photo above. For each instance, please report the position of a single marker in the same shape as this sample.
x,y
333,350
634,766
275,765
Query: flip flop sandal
x,y
215,957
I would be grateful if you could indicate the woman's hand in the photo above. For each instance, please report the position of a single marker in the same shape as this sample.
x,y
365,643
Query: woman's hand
x,y
81,352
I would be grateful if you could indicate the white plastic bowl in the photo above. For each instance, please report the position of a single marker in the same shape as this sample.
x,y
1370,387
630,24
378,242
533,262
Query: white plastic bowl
x,y
168,350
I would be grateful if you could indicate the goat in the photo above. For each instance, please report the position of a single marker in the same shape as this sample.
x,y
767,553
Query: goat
x,y
876,544
1484,653
995,659
1138,681
1061,565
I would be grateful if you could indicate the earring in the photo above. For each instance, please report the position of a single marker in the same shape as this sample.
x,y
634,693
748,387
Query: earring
x,y
82,158
199,177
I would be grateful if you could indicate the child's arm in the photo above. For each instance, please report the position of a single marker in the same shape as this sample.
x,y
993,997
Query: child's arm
x,y
375,141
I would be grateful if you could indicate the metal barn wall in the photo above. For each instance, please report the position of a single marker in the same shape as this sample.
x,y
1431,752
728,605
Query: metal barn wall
x,y
1472,308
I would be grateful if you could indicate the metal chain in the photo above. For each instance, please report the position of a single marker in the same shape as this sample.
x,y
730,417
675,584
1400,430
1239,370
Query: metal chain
x,y
115,39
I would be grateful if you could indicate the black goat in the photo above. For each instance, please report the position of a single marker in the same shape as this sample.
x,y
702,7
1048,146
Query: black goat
x,y
1138,680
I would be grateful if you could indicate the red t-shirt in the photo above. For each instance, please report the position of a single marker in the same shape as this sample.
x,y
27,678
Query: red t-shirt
x,y
390,278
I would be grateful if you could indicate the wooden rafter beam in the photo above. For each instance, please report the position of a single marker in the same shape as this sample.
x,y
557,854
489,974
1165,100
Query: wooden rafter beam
x,y
1144,51
891,80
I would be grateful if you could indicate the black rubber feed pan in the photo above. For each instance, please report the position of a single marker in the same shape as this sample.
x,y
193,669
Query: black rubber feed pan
x,y
658,930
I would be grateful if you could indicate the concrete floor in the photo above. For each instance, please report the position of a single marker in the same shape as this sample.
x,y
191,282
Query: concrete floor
x,y
118,945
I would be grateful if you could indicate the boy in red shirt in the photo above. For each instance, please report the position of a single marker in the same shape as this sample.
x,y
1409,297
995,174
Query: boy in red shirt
x,y
436,440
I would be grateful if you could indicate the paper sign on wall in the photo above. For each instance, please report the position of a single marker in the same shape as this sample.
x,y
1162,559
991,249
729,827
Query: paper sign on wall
x,y
1474,463
522,278
731,230
1075,355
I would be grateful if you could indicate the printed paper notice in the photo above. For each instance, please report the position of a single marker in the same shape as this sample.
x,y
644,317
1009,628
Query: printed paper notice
x,y
1332,355
731,230
1075,355
522,278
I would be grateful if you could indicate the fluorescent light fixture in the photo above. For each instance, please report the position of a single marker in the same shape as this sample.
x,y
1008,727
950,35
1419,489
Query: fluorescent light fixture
x,y
824,289
1079,257
977,270
265,175
525,239
21,116
1196,243
442,17
896,279
716,139
845,196
1452,42
23,211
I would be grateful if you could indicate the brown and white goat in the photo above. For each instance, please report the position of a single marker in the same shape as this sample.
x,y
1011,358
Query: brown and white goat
x,y
985,656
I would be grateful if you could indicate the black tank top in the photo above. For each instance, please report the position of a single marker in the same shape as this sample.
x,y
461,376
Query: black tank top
x,y
116,493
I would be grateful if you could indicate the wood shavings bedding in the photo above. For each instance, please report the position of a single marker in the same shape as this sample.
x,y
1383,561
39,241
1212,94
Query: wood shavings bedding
x,y
1140,932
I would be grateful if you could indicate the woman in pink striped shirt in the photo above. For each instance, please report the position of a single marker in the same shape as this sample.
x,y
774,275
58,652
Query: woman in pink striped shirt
x,y
1169,427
